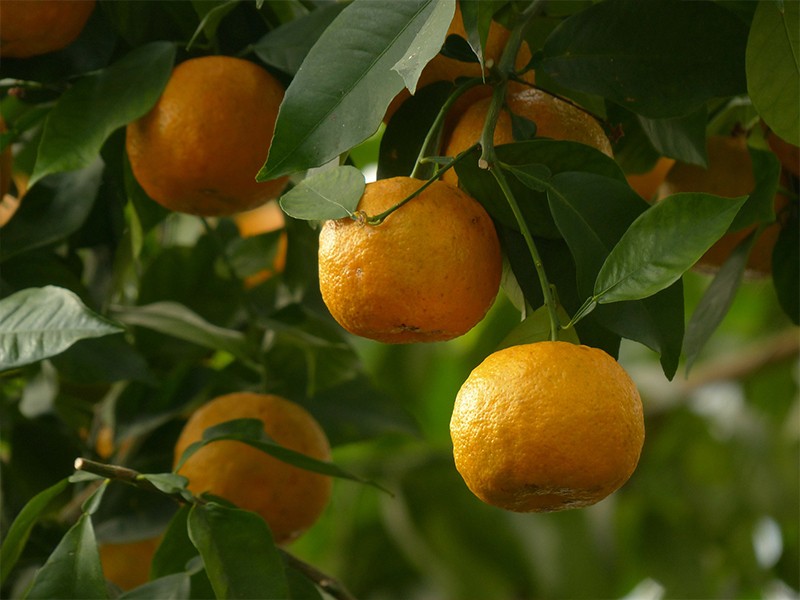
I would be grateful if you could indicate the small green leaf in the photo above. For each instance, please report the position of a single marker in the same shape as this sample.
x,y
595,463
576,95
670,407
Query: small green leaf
x,y
37,323
238,552
332,194
169,483
340,94
536,328
73,569
17,535
773,67
716,301
171,587
100,103
663,243
92,503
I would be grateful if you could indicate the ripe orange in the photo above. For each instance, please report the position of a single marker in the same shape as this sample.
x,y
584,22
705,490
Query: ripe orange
x,y
289,499
32,27
442,68
199,149
546,427
264,219
729,174
428,273
127,564
787,153
554,118
646,184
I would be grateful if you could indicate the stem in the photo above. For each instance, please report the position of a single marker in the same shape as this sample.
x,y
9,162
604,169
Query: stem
x,y
328,584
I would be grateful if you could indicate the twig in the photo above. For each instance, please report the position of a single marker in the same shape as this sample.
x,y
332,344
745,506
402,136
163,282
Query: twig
x,y
328,584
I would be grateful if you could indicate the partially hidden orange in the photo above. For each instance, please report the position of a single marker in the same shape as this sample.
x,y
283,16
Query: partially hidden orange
x,y
646,184
200,147
33,27
127,564
264,219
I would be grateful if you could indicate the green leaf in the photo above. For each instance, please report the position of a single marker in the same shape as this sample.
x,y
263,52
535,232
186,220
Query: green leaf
x,y
99,103
176,320
212,14
17,535
168,483
176,549
37,323
773,67
535,176
760,205
73,569
331,194
300,586
286,46
171,587
102,360
682,138
92,503
663,243
536,328
251,432
716,301
340,94
238,552
660,58
786,268
53,210
477,19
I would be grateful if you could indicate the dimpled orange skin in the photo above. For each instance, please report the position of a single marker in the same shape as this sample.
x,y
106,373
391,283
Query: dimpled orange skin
x,y
729,174
33,27
200,147
554,118
428,273
289,499
547,426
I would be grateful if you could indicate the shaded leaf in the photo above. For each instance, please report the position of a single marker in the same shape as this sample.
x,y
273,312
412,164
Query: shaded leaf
x,y
773,69
340,94
102,360
663,243
88,112
37,323
332,194
536,328
658,58
682,138
170,587
73,569
786,268
240,558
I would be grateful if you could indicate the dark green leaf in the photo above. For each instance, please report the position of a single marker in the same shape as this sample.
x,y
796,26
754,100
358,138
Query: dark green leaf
x,y
92,503
534,176
175,550
658,58
773,69
300,586
786,268
663,243
171,587
17,535
98,104
286,47
212,14
340,94
716,301
168,483
332,194
102,360
73,569
54,209
682,138
238,552
41,322
477,18
760,206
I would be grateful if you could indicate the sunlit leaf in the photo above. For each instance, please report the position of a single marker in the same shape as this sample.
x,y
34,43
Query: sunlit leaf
x,y
331,194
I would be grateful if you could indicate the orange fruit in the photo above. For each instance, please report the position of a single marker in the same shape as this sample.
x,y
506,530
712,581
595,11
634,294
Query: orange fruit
x,y
428,273
32,27
443,68
729,174
547,426
787,153
200,147
289,499
554,118
646,184
127,564
264,219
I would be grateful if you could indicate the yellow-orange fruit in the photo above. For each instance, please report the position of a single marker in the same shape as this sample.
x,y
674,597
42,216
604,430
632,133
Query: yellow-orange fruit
x,y
33,27
264,219
127,564
646,184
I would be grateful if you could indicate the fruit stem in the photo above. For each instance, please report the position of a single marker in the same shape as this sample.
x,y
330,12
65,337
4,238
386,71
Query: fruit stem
x,y
433,136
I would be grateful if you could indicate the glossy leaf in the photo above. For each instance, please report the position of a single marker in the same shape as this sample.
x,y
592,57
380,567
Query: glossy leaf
x,y
73,569
658,58
331,194
662,243
773,69
88,112
240,558
341,91
17,534
477,18
37,323
716,301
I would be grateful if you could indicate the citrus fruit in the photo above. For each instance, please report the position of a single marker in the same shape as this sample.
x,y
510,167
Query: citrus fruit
x,y
547,426
32,27
443,68
646,184
200,147
127,564
554,118
788,154
428,273
289,499
264,219
730,175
